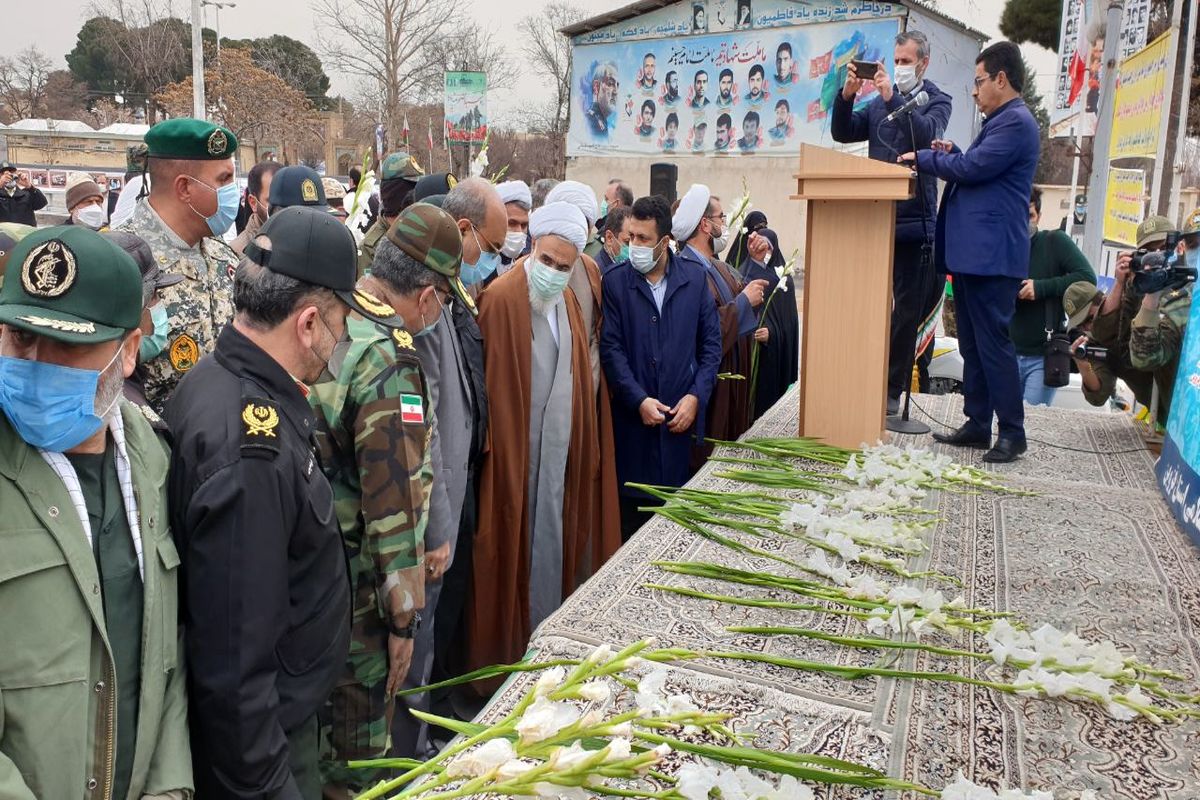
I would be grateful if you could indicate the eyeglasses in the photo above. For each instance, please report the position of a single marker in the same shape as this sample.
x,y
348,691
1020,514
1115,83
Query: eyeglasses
x,y
491,248
722,216
980,81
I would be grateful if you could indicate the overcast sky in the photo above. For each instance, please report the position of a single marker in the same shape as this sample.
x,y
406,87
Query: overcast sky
x,y
53,24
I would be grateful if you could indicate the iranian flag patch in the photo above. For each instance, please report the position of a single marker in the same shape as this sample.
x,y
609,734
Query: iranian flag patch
x,y
411,409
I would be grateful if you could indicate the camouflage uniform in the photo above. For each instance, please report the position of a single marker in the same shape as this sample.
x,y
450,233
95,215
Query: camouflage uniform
x,y
197,308
366,248
1156,341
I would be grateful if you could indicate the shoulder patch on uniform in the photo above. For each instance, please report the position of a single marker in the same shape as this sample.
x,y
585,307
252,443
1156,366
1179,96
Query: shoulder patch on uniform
x,y
183,353
403,339
412,409
260,419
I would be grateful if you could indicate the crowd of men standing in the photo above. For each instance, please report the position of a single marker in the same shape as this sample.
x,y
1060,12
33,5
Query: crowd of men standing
x,y
252,493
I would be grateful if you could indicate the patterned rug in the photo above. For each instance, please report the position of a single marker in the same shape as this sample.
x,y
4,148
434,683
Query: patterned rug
x,y
1096,551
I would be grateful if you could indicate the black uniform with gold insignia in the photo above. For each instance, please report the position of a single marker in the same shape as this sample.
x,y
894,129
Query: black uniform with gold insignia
x,y
266,583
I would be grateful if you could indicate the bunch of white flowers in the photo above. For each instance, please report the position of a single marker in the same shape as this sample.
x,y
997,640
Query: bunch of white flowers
x,y
963,789
697,781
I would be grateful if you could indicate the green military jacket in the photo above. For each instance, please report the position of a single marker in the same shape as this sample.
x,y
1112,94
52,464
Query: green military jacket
x,y
197,308
1156,340
57,681
374,426
366,248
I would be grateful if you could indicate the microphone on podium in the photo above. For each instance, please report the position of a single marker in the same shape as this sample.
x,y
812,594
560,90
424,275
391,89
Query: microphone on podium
x,y
921,98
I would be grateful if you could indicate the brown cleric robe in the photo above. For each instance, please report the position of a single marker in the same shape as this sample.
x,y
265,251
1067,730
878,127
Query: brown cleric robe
x,y
728,413
497,617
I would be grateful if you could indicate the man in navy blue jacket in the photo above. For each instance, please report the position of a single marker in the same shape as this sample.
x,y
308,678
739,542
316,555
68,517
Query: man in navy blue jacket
x,y
913,279
660,345
982,240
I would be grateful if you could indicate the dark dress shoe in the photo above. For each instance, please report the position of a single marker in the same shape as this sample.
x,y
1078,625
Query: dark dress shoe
x,y
966,436
1006,451
893,406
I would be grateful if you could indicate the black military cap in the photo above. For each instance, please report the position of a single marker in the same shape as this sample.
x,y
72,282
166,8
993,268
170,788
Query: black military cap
x,y
296,186
313,246
438,183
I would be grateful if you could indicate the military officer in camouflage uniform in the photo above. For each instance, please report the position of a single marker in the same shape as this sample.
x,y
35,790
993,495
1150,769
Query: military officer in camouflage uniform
x,y
1156,337
398,176
375,420
192,202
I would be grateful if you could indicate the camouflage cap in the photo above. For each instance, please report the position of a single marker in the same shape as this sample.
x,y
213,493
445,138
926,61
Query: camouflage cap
x,y
71,284
135,157
1077,302
190,139
400,165
1191,224
431,236
1153,230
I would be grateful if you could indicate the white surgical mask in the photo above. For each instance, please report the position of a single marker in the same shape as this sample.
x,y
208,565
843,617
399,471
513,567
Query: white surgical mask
x,y
92,216
641,257
719,243
906,77
514,243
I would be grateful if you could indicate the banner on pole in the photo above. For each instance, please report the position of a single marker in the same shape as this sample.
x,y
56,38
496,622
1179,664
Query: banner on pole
x,y
1124,205
466,106
1135,21
1139,101
753,92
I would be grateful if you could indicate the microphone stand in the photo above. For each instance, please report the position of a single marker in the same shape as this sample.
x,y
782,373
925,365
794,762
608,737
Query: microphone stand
x,y
902,423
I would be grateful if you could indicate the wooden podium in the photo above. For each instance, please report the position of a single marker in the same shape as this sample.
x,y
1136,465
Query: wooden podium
x,y
851,205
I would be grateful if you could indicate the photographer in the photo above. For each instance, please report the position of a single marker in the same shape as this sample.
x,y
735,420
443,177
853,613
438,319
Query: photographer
x,y
1156,336
914,287
1103,324
19,198
1054,264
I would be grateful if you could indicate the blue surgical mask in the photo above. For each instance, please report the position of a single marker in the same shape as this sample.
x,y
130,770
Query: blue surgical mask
x,y
483,268
156,342
228,197
547,282
642,258
604,208
50,406
623,253
1192,258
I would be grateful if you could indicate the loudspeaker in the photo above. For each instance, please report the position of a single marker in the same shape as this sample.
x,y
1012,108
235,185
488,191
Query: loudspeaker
x,y
663,180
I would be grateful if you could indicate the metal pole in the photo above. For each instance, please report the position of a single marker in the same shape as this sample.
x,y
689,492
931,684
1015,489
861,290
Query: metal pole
x,y
218,15
1164,129
1184,106
198,110
1093,231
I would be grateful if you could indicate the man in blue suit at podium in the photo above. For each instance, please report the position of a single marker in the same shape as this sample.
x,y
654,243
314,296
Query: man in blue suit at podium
x,y
983,241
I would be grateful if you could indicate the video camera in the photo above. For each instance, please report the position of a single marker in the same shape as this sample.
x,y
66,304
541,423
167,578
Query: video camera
x,y
1087,351
1161,270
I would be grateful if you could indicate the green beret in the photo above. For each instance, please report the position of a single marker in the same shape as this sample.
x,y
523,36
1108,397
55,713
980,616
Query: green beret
x,y
192,139
400,165
71,284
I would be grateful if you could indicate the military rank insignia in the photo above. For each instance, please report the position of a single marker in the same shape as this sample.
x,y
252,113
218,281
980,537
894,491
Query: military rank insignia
x,y
260,418
412,409
217,143
308,191
183,353
49,270
403,339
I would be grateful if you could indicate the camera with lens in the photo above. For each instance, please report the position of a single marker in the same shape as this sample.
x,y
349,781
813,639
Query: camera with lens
x,y
1087,351
1160,270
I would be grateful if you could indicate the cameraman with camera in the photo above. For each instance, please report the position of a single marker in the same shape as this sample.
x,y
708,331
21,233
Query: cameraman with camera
x,y
1101,323
1156,336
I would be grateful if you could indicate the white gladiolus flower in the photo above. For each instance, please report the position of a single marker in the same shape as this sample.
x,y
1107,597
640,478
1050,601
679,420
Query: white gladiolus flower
x,y
931,601
619,749
544,718
602,653
481,760
904,596
865,587
549,680
963,789
565,759
596,691
695,781
680,704
650,696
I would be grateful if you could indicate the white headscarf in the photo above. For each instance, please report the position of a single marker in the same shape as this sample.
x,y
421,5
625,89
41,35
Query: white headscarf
x,y
515,192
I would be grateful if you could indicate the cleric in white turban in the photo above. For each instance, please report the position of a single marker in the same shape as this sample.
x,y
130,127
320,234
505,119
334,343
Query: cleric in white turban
x,y
551,519
691,210
579,195
517,200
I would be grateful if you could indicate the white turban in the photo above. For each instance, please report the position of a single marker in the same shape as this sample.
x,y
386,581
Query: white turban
x,y
690,212
577,194
559,219
515,192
